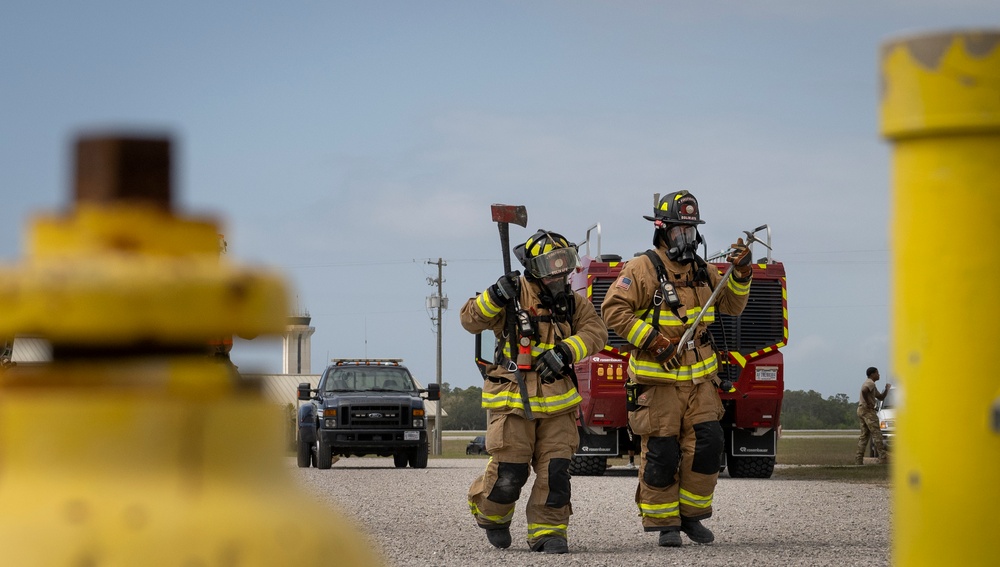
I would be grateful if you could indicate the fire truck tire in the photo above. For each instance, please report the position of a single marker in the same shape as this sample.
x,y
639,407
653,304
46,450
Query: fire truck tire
x,y
588,466
399,459
324,456
418,457
751,467
305,453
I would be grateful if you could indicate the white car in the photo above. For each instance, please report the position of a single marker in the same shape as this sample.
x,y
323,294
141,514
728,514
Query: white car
x,y
887,416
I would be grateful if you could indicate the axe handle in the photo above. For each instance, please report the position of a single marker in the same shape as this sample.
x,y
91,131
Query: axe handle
x,y
512,326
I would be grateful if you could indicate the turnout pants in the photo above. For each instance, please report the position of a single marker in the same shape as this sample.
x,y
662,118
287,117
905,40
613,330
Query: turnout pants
x,y
682,447
547,444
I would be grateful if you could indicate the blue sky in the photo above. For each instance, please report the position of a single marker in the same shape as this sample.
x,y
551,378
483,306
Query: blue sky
x,y
346,143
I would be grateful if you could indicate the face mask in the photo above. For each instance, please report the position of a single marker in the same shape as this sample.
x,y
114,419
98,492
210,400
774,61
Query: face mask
x,y
555,296
682,242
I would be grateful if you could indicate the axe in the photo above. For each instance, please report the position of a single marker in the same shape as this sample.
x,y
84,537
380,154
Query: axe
x,y
504,215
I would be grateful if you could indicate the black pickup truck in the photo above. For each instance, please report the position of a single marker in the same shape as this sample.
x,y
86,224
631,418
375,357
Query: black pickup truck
x,y
364,407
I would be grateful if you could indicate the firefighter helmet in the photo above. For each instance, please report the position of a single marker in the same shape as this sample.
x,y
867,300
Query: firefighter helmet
x,y
679,207
547,254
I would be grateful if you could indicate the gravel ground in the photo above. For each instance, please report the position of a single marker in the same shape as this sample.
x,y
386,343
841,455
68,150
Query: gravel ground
x,y
420,517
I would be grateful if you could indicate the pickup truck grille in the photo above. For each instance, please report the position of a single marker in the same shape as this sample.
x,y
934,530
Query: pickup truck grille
x,y
375,416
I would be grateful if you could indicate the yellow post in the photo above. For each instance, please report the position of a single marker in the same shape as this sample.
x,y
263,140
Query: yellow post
x,y
138,444
941,112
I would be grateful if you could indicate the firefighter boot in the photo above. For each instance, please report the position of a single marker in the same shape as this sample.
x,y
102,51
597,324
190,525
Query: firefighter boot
x,y
499,537
551,544
697,532
670,538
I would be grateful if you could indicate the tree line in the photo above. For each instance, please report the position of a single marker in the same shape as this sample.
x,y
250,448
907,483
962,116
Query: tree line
x,y
799,410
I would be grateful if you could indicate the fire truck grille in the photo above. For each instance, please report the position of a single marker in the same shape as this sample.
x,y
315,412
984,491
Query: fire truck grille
x,y
600,289
760,325
374,416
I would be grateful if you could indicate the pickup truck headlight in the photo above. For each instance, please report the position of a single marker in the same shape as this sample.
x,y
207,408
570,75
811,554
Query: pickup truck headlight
x,y
328,417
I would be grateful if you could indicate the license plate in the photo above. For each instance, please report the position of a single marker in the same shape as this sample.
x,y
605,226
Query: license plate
x,y
411,436
767,373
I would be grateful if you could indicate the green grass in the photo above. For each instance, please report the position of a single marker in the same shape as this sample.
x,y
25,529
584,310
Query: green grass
x,y
820,457
816,450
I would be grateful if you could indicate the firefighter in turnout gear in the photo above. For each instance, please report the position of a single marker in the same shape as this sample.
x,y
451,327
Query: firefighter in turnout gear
x,y
556,327
674,402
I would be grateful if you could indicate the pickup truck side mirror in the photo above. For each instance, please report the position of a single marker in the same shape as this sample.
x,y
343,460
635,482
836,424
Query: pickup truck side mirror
x,y
304,391
433,392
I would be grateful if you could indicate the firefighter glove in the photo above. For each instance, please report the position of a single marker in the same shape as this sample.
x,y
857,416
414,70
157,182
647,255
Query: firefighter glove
x,y
552,364
662,348
506,288
740,258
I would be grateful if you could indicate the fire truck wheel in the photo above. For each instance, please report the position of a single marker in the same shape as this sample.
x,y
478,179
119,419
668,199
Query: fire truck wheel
x,y
588,466
399,459
324,456
418,457
305,453
751,467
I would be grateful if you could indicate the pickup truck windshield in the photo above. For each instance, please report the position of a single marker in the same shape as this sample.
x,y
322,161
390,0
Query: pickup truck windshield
x,y
369,378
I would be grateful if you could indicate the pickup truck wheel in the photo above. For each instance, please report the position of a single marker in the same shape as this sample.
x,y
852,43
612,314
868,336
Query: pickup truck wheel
x,y
418,457
399,459
324,456
304,454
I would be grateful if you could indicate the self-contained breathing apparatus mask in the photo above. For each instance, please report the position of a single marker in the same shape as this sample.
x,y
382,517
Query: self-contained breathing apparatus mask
x,y
682,241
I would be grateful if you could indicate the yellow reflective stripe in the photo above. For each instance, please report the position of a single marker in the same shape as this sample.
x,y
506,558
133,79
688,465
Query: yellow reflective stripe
x,y
486,305
551,404
505,519
696,500
709,315
539,530
547,404
652,369
639,333
578,347
660,510
737,287
502,399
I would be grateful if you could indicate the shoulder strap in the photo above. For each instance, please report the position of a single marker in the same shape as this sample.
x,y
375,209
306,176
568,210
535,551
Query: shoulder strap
x,y
661,270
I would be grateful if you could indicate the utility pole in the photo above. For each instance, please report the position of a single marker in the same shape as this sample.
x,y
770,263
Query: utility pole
x,y
440,303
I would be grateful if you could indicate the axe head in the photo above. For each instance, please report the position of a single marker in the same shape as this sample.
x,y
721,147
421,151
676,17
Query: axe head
x,y
511,214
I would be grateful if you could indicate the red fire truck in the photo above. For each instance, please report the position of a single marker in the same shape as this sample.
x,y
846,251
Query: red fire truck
x,y
749,358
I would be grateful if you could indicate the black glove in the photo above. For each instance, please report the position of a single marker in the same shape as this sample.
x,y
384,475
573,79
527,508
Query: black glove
x,y
553,362
507,288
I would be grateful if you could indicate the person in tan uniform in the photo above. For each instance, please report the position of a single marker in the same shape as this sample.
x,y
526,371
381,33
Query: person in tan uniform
x,y
557,328
869,419
674,401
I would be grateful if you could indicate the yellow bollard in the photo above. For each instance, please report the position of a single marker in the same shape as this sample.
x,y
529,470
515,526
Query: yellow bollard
x,y
941,112
135,446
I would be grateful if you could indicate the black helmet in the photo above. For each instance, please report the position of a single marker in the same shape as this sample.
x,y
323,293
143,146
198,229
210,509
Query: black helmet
x,y
547,254
679,207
